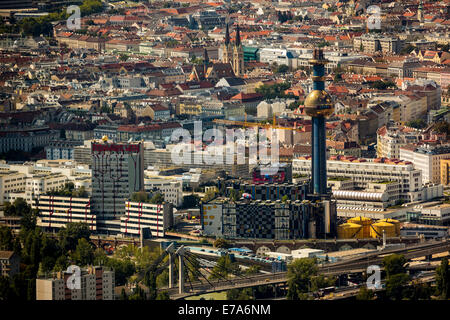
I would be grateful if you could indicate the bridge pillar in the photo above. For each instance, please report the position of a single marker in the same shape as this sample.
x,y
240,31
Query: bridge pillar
x,y
171,279
428,257
180,254
181,276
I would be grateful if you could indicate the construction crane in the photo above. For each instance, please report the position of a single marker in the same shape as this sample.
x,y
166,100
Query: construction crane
x,y
257,124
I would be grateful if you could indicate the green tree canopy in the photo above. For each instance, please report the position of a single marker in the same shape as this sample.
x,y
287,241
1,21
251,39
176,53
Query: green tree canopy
x,y
443,279
224,267
70,235
394,264
84,253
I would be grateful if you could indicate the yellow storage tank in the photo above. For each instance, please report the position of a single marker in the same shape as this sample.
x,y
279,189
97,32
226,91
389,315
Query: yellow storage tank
x,y
349,231
365,223
396,223
376,230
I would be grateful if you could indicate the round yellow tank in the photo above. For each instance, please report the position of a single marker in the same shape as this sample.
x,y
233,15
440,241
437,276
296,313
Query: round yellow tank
x,y
396,223
349,231
377,228
365,223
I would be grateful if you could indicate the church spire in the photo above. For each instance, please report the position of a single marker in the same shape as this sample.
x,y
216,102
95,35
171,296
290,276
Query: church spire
x,y
227,36
238,37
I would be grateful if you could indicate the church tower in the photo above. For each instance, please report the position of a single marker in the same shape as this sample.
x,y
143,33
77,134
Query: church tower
x,y
238,55
420,12
227,52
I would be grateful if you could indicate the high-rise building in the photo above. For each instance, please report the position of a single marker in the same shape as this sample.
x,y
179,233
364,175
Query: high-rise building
x,y
117,172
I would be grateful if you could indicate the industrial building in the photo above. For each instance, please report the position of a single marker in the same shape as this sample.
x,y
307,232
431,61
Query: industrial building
x,y
365,228
268,219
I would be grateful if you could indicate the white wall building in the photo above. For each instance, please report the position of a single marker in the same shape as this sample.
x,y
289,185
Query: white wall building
x,y
55,212
427,159
171,188
139,215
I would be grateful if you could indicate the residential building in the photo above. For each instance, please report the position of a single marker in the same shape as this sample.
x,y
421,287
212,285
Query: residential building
x,y
9,263
117,172
427,159
171,188
156,218
391,138
61,149
97,283
55,212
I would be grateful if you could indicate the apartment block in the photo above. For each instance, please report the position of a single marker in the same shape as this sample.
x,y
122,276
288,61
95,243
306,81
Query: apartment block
x,y
97,283
157,218
55,212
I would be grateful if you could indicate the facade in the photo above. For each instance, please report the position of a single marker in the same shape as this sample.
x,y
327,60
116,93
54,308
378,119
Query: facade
x,y
267,219
26,139
11,182
427,159
41,183
269,191
117,172
61,150
55,212
141,215
97,283
234,54
445,171
391,138
9,263
428,231
374,43
171,188
364,171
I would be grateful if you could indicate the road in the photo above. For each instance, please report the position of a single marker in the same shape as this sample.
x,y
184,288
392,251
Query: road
x,y
349,266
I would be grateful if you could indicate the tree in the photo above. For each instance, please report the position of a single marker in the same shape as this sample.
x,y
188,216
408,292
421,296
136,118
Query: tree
x,y
299,274
395,285
417,123
442,127
365,294
221,243
123,295
6,239
123,57
240,294
443,279
158,198
84,253
123,269
164,295
282,69
394,264
140,196
273,91
71,234
284,198
224,267
191,201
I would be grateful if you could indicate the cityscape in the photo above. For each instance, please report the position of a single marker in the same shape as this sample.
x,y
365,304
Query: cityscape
x,y
225,150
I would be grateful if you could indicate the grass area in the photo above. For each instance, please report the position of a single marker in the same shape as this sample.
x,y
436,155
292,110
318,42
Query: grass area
x,y
208,296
